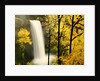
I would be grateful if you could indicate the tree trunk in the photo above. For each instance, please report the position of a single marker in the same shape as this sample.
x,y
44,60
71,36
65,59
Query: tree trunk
x,y
49,47
58,38
71,33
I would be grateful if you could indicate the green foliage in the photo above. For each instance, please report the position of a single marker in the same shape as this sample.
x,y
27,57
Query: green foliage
x,y
29,63
18,55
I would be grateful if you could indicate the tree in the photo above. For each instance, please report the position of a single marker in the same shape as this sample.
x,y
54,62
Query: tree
x,y
59,21
22,40
50,34
71,33
76,23
49,46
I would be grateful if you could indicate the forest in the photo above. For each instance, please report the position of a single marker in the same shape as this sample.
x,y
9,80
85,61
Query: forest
x,y
63,38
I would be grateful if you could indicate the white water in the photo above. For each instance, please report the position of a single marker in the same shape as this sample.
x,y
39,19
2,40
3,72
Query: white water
x,y
38,44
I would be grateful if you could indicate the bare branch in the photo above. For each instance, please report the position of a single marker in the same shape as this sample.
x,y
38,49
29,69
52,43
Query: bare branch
x,y
77,35
80,19
61,16
79,28
81,24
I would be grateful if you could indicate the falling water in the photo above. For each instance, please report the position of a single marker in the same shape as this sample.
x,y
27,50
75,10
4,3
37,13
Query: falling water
x,y
38,44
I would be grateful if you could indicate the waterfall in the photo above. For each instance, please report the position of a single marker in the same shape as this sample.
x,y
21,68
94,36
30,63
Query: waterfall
x,y
38,44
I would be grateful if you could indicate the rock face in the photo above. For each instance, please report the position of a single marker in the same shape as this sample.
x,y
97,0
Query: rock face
x,y
19,23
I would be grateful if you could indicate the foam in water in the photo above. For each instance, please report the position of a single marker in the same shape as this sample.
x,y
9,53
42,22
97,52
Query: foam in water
x,y
38,44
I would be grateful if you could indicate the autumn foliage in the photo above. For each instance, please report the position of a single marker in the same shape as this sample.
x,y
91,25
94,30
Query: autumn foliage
x,y
63,35
74,58
23,37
